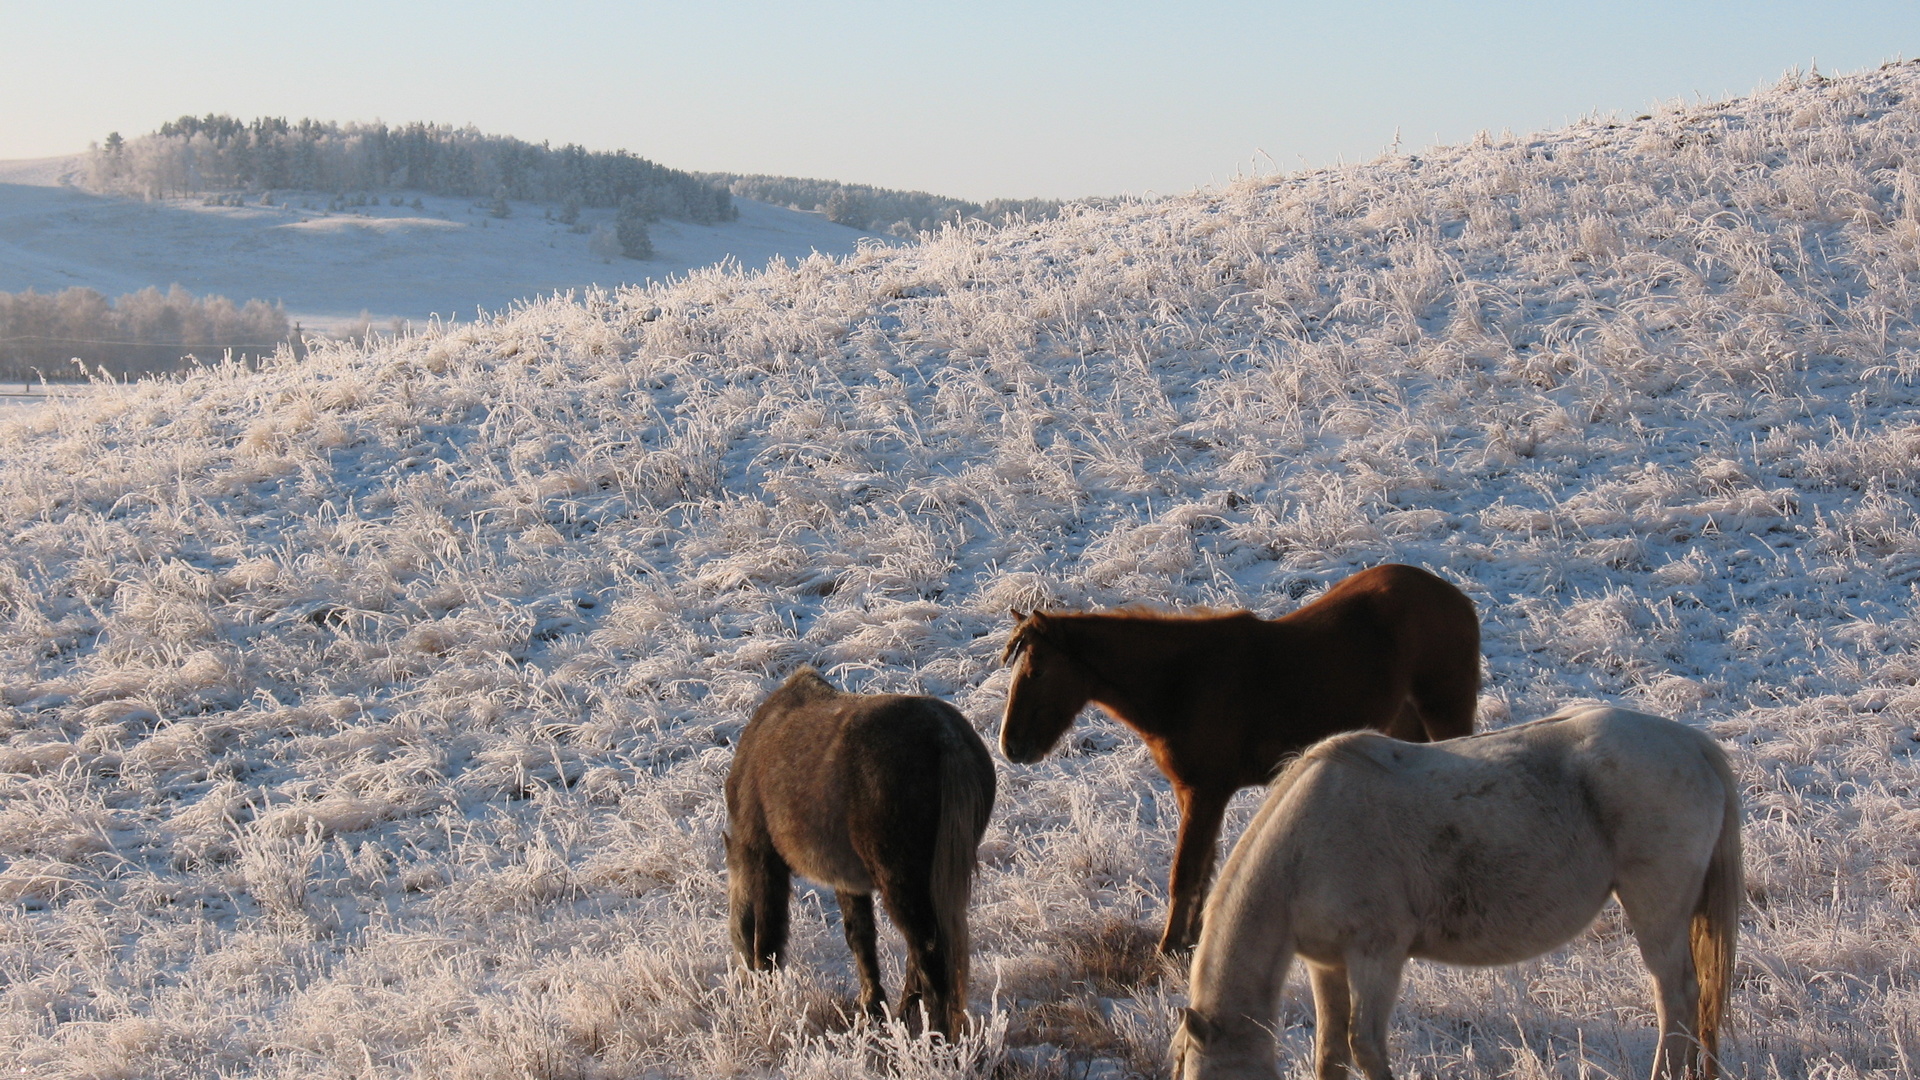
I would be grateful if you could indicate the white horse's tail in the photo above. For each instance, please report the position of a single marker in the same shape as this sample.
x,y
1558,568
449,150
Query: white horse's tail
x,y
1716,922
965,805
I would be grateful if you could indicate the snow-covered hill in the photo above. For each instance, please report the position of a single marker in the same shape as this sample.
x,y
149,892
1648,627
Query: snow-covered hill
x,y
367,716
449,258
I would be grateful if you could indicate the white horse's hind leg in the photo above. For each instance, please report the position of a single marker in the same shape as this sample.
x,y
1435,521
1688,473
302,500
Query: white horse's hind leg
x,y
1660,918
1331,1011
1374,982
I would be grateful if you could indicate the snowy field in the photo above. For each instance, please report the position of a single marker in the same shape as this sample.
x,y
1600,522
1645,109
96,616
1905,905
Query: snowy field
x,y
366,717
13,393
448,259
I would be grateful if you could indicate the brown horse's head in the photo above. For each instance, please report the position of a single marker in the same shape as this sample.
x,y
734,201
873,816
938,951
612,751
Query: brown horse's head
x,y
1049,689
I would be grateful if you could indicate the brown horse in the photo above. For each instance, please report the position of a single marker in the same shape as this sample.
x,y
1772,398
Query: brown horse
x,y
1221,699
861,792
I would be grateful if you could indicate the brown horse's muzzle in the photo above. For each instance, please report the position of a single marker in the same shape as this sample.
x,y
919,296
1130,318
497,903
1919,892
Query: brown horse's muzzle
x,y
1022,753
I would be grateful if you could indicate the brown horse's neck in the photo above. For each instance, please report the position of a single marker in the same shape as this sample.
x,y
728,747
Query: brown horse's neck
x,y
1125,661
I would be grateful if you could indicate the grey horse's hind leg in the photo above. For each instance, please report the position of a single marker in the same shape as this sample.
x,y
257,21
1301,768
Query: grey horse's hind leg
x,y
1374,982
1332,1011
1660,914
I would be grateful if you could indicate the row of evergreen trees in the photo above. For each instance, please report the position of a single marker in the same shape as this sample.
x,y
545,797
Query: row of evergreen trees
x,y
143,331
905,214
214,153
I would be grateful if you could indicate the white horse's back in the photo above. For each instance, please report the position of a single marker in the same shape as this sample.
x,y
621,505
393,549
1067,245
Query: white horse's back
x,y
1487,849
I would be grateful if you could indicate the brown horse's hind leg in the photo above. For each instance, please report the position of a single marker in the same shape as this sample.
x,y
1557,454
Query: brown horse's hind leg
x,y
1444,703
1409,725
1200,814
930,970
856,917
758,891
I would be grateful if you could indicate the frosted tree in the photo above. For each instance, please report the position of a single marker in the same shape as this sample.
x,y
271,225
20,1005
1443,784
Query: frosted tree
x,y
630,228
604,242
845,208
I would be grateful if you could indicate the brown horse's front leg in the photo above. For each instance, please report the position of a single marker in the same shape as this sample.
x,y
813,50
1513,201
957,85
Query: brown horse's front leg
x,y
1200,814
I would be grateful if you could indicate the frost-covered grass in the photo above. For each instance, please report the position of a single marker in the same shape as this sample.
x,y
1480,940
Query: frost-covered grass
x,y
367,716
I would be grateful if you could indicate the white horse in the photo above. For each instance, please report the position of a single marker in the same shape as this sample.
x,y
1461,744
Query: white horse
x,y
1488,849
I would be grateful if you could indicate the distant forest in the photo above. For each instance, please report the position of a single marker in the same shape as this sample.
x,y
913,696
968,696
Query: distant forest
x,y
41,333
220,153
904,214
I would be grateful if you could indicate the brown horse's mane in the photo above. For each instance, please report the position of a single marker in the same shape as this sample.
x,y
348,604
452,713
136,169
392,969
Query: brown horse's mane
x,y
1036,624
1148,611
807,683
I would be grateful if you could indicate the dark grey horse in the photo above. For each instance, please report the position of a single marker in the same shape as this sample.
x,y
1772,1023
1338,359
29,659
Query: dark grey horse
x,y
864,793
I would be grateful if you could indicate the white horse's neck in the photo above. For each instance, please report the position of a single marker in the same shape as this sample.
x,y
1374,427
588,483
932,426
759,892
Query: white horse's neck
x,y
1240,964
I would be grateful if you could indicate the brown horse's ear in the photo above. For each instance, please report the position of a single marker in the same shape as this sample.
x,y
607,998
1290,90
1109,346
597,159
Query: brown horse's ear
x,y
1018,615
1197,1027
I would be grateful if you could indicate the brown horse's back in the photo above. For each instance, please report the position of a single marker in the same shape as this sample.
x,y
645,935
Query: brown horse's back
x,y
1418,629
826,775
1395,649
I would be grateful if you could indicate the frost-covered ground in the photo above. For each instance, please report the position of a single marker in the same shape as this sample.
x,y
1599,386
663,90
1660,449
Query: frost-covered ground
x,y
367,716
448,258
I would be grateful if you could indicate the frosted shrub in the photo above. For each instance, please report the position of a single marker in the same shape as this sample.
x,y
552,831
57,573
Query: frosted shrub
x,y
277,870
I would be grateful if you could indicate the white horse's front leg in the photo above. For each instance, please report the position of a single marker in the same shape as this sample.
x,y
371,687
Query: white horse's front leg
x,y
1332,1010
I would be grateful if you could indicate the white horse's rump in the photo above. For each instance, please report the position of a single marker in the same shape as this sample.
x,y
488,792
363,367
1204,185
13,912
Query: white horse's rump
x,y
1488,849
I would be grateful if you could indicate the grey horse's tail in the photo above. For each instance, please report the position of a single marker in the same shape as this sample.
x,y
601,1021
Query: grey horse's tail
x,y
1716,922
966,801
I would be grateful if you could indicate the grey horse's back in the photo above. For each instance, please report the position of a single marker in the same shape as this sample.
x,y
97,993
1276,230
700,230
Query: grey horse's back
x,y
1462,837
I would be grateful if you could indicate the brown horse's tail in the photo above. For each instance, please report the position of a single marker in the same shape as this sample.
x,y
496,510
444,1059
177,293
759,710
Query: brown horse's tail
x,y
1716,922
966,801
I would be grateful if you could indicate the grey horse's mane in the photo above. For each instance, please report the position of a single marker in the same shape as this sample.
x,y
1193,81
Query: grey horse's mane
x,y
1349,748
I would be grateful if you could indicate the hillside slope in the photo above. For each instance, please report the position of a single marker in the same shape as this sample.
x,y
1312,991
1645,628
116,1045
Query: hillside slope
x,y
448,258
367,716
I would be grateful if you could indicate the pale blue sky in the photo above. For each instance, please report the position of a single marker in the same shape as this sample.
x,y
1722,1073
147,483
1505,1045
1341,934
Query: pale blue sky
x,y
974,99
